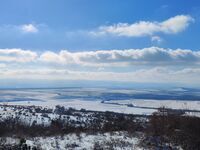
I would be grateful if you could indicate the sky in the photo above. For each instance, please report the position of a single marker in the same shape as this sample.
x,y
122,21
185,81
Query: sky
x,y
99,42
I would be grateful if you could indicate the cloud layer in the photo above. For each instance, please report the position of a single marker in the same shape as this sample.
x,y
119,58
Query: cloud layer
x,y
137,65
17,55
153,75
146,56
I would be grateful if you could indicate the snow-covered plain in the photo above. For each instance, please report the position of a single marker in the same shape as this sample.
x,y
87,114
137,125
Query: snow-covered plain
x,y
116,100
174,104
89,105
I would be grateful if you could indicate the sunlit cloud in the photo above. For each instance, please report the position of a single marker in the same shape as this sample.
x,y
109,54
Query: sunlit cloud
x,y
17,55
172,25
145,56
29,28
151,64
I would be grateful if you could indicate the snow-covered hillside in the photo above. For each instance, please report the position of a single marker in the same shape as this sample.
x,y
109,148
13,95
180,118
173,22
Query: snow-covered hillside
x,y
115,140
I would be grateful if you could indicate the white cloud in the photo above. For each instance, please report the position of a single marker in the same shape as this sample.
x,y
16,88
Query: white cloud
x,y
146,56
2,66
156,39
17,55
100,58
137,65
29,28
63,57
146,28
176,24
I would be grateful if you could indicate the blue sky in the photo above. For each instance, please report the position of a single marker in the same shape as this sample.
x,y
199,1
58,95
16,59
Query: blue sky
x,y
139,41
62,23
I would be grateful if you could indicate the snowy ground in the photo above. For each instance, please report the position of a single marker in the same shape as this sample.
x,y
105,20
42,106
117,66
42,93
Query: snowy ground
x,y
175,104
89,99
116,140
88,105
114,107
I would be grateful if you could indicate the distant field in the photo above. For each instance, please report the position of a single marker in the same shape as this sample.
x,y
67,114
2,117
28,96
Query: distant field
x,y
145,101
